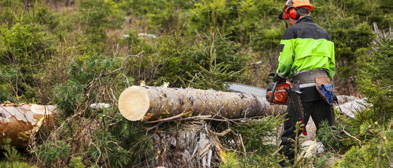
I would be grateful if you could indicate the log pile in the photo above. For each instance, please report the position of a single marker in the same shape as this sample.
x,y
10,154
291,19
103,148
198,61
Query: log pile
x,y
20,123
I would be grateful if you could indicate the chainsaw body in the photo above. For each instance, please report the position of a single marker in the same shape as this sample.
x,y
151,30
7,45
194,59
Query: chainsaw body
x,y
275,93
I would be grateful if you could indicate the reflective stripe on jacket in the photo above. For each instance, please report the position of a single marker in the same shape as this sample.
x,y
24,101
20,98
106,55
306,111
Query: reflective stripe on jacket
x,y
306,46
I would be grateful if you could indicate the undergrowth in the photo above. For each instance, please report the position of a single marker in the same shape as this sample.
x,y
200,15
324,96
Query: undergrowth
x,y
78,53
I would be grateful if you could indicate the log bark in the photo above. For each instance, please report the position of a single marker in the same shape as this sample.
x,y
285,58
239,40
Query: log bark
x,y
154,103
20,123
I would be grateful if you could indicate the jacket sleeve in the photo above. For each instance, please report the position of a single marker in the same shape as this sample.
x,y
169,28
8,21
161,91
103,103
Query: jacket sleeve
x,y
332,63
286,54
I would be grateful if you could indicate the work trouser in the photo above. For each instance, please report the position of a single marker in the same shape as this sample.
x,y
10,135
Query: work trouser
x,y
319,111
314,106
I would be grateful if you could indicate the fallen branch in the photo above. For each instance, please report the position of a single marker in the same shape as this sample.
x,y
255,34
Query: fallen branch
x,y
244,148
223,133
172,118
360,142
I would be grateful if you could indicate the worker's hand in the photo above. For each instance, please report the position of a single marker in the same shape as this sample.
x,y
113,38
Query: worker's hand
x,y
277,78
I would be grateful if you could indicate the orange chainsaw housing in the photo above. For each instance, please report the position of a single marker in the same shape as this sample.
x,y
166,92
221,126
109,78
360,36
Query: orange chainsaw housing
x,y
280,95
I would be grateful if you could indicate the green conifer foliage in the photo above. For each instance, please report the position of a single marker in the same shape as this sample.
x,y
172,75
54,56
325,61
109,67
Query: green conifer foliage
x,y
376,79
76,53
53,153
213,60
98,15
372,126
374,151
25,49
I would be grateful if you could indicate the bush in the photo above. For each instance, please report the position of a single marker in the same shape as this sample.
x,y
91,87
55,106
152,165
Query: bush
x,y
375,77
53,153
24,50
97,16
374,124
51,53
375,151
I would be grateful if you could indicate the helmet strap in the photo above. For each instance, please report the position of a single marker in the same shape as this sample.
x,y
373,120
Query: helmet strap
x,y
283,16
286,24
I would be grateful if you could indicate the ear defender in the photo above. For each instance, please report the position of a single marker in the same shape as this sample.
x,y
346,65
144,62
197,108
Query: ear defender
x,y
293,13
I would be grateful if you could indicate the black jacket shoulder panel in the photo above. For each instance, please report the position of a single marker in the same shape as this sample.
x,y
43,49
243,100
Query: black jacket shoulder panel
x,y
306,28
290,33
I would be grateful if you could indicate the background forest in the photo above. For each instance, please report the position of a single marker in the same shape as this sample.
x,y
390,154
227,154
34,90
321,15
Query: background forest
x,y
73,53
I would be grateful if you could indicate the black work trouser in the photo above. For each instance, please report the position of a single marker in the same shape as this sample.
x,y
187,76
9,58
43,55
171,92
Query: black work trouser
x,y
312,105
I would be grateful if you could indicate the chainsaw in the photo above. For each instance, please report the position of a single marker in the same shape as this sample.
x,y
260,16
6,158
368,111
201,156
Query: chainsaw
x,y
276,92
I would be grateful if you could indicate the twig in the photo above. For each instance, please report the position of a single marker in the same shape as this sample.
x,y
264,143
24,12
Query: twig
x,y
223,133
106,151
201,117
205,117
171,118
129,57
113,95
244,149
360,142
99,151
156,126
102,75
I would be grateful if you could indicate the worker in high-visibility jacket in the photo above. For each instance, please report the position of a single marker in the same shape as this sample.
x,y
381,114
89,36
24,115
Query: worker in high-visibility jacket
x,y
307,60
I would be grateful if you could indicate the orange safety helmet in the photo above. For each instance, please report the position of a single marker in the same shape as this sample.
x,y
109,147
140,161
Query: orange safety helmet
x,y
291,8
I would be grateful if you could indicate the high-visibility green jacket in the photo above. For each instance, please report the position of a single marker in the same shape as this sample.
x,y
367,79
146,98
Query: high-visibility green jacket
x,y
305,46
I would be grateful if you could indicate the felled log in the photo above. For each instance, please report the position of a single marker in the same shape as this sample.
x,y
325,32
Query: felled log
x,y
154,103
20,123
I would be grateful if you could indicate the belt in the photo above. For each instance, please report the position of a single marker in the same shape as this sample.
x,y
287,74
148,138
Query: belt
x,y
308,76
305,85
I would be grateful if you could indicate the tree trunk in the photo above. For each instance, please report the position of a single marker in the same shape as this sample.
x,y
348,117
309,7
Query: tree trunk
x,y
21,122
153,103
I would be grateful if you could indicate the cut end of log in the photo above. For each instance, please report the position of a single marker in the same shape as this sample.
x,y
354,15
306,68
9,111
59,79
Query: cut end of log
x,y
134,103
20,122
43,109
